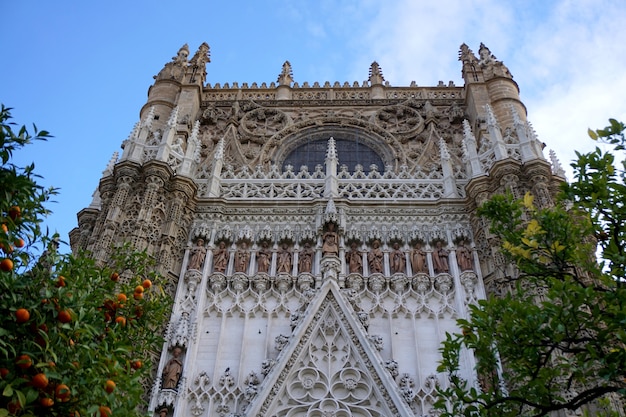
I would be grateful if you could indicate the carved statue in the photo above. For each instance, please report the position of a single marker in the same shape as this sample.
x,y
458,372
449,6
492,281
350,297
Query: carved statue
x,y
398,262
354,259
464,257
172,370
196,260
242,258
284,259
331,242
375,258
264,258
305,259
418,259
220,258
440,259
176,67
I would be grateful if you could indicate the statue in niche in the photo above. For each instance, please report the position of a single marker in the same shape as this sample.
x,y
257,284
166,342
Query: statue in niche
x,y
354,259
440,259
398,262
198,253
264,258
242,258
418,259
375,258
172,370
331,241
305,259
464,257
284,259
220,258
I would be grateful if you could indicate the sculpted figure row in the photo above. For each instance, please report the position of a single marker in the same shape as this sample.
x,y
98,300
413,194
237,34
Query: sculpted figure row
x,y
330,246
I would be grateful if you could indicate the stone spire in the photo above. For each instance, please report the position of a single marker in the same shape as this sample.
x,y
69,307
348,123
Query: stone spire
x,y
470,149
495,134
197,65
376,74
332,183
286,75
557,168
109,168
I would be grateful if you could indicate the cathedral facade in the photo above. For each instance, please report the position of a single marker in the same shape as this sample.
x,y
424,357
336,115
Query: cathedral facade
x,y
319,239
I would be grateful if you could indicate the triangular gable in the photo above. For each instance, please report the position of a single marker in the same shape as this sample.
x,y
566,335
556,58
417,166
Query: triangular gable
x,y
329,368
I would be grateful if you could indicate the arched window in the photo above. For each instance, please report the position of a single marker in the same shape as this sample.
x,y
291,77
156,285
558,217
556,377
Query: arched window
x,y
349,152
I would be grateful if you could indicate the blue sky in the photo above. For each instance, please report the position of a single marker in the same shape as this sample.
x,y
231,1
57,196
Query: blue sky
x,y
81,69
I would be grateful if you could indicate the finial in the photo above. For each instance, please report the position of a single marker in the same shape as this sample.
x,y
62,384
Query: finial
x,y
109,168
468,135
331,150
443,150
491,118
219,150
557,168
466,54
202,55
134,133
376,74
286,75
149,118
171,122
193,139
182,55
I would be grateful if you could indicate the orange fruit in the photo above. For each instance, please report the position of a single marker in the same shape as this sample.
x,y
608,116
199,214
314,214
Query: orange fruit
x,y
46,402
15,212
5,229
120,320
22,315
39,381
19,243
136,364
139,289
6,265
138,295
61,281
109,386
64,316
146,283
104,411
24,361
3,372
122,298
115,276
62,393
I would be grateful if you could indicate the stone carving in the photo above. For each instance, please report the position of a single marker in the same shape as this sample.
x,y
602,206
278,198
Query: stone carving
x,y
375,258
377,341
354,259
331,241
418,259
242,258
176,68
305,259
264,258
286,75
464,257
267,365
227,380
220,258
364,318
173,370
406,385
280,342
284,259
440,259
252,386
198,253
392,367
397,261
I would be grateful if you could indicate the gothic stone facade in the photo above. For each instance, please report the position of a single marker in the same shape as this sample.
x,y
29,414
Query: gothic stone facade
x,y
320,240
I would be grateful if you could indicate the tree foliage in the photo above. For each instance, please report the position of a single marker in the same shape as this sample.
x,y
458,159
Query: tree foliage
x,y
555,339
76,337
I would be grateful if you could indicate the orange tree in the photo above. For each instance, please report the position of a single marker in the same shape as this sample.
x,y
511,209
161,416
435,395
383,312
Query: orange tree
x,y
556,340
76,337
